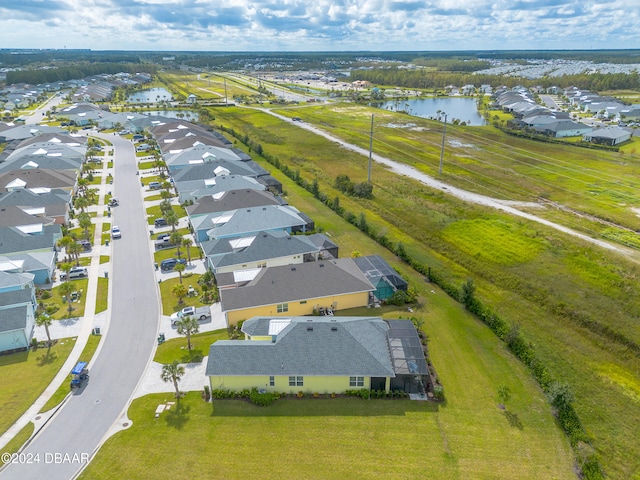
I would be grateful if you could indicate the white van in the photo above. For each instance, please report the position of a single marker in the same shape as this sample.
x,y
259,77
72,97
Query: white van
x,y
75,272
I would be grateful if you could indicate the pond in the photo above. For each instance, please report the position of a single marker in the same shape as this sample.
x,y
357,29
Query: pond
x,y
462,109
152,95
178,114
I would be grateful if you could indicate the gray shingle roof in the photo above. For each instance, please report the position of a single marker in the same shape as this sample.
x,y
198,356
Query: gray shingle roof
x,y
15,297
233,200
289,283
309,346
14,318
265,217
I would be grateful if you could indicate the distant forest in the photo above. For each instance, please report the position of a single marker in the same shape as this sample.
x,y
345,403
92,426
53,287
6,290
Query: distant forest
x,y
75,71
438,79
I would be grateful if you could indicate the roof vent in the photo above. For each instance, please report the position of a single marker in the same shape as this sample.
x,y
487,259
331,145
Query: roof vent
x,y
293,269
322,265
334,329
309,329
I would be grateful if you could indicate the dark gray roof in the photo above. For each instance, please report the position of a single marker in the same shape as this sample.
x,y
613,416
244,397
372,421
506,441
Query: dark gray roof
x,y
289,283
13,240
13,318
206,170
39,161
15,297
11,216
233,200
26,198
38,177
331,346
265,245
15,279
248,220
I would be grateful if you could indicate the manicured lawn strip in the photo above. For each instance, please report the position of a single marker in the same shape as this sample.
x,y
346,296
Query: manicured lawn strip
x,y
104,259
531,294
25,375
86,355
330,438
19,440
155,212
176,348
102,298
170,301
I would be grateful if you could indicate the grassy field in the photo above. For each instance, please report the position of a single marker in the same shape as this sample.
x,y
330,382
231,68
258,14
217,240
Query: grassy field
x,y
25,375
170,301
575,303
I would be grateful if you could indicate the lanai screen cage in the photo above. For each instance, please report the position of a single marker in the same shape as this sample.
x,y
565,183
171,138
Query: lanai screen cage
x,y
407,356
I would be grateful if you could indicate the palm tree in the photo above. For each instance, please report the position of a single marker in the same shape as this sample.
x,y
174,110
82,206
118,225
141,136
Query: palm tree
x,y
74,250
81,203
186,243
187,326
179,290
66,267
172,219
180,267
65,290
84,221
44,320
176,239
64,242
173,372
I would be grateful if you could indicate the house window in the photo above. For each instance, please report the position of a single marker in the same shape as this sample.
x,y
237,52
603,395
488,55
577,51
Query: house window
x,y
272,381
303,302
282,307
356,381
296,381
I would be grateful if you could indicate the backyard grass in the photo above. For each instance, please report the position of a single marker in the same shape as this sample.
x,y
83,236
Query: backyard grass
x,y
25,375
574,302
63,390
176,348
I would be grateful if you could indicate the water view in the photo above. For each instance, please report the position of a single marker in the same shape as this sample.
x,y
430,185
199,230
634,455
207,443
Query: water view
x,y
152,95
462,109
178,114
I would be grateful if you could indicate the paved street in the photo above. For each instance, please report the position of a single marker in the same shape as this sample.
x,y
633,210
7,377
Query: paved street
x,y
80,426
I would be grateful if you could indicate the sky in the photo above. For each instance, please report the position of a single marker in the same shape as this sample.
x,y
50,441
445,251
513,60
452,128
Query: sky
x,y
320,25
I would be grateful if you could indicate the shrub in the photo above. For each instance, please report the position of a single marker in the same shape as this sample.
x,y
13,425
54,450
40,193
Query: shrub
x,y
438,392
263,399
300,394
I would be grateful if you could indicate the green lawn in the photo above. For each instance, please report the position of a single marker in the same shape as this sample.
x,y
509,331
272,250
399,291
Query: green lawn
x,y
330,438
102,294
176,348
21,437
170,301
25,375
155,212
77,307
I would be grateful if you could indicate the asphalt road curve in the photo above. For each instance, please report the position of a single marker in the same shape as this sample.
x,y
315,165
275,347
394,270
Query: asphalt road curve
x,y
73,435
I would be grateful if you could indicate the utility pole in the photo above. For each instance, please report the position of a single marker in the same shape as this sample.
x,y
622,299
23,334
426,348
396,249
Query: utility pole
x,y
370,149
226,99
444,134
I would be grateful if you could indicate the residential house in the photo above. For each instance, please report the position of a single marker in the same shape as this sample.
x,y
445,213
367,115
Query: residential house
x,y
608,135
266,249
37,178
17,311
302,289
320,355
230,200
51,203
381,275
194,190
250,221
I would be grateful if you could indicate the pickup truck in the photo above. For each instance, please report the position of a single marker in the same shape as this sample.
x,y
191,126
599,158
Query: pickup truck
x,y
199,313
164,242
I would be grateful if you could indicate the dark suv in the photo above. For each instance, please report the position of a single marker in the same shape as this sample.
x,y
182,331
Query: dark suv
x,y
170,263
160,222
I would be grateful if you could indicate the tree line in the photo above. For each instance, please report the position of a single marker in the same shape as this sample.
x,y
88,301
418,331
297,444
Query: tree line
x,y
70,72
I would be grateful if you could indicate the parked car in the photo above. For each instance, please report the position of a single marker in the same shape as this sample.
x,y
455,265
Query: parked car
x,y
199,313
160,222
164,242
75,272
170,263
115,232
86,245
114,202
155,185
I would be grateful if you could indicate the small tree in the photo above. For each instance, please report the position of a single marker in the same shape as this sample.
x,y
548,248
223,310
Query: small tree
x,y
180,267
467,295
187,326
65,290
504,393
180,291
172,219
186,243
84,221
43,320
173,372
176,239
560,395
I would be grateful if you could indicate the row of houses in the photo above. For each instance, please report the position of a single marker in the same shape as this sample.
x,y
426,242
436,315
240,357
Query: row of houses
x,y
39,168
284,283
520,102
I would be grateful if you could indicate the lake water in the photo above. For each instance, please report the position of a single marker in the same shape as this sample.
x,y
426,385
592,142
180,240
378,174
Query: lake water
x,y
152,95
463,109
186,114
